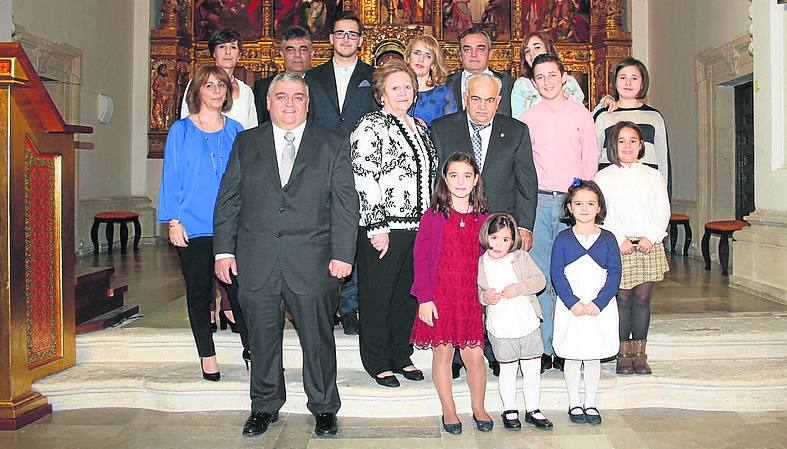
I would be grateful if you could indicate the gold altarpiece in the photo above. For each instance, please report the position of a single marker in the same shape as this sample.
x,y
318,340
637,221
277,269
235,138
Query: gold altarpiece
x,y
589,37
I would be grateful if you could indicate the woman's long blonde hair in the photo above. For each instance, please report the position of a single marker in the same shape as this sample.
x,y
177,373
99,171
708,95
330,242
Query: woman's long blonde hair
x,y
438,72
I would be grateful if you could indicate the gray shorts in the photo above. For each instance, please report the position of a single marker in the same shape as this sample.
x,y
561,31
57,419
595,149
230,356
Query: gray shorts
x,y
512,349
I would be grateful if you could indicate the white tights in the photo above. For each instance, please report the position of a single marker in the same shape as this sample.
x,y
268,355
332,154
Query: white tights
x,y
572,371
531,383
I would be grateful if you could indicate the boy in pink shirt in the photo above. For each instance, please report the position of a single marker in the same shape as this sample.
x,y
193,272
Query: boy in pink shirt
x,y
564,147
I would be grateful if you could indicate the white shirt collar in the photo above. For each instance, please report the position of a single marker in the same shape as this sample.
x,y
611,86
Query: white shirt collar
x,y
278,138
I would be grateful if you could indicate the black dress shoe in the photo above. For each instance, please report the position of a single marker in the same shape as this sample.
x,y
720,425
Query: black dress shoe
x,y
454,429
558,363
592,418
513,423
546,362
540,423
387,381
484,426
325,424
455,369
578,418
495,367
350,323
258,422
213,377
414,375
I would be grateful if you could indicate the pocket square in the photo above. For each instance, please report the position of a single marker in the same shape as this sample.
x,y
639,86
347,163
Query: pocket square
x,y
365,83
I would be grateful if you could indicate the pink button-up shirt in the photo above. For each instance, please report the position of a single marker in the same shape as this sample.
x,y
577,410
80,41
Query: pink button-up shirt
x,y
564,143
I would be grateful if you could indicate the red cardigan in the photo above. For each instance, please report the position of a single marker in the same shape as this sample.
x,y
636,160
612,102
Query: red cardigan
x,y
427,250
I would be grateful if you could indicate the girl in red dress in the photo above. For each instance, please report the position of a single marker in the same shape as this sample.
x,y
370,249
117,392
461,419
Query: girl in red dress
x,y
446,271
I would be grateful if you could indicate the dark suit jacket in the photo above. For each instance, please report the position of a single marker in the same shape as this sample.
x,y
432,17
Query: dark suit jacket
x,y
324,101
297,229
260,90
455,81
508,172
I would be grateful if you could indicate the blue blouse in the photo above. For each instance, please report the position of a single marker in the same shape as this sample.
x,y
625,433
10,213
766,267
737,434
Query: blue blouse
x,y
194,162
605,252
432,104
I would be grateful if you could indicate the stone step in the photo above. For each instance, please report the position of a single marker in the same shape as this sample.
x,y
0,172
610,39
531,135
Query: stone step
x,y
173,386
683,337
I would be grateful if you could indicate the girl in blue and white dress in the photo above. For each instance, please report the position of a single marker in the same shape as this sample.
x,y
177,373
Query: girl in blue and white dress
x,y
585,271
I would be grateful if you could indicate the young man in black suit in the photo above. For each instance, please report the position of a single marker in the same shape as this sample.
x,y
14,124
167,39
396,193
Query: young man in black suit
x,y
294,241
502,148
341,93
475,48
296,50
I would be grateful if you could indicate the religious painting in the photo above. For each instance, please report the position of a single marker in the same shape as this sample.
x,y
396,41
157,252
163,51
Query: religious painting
x,y
493,16
406,11
211,16
317,16
564,20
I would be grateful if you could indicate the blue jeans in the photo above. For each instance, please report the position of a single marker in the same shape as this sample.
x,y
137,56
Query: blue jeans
x,y
547,226
348,298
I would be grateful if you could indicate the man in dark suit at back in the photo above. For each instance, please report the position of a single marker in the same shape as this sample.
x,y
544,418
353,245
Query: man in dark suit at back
x,y
297,51
475,48
341,93
501,146
294,241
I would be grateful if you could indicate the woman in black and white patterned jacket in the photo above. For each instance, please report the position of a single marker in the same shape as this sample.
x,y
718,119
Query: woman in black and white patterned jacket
x,y
395,164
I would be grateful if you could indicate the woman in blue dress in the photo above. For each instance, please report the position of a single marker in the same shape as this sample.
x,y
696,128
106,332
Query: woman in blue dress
x,y
435,98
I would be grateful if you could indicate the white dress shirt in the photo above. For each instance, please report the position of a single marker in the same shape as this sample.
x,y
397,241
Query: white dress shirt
x,y
343,75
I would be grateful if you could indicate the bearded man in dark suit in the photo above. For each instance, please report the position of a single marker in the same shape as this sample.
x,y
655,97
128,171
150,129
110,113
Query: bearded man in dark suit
x,y
290,240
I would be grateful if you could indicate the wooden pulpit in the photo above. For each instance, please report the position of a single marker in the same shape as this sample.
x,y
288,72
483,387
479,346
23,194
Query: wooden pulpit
x,y
37,336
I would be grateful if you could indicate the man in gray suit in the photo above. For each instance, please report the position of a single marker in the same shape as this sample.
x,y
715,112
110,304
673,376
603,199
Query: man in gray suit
x,y
501,146
285,223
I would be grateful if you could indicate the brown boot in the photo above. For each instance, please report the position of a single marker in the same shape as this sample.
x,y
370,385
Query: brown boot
x,y
625,359
640,357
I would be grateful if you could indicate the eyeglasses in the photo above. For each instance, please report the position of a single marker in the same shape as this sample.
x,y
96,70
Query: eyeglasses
x,y
341,34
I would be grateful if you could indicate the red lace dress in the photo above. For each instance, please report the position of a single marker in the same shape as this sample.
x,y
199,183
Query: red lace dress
x,y
460,316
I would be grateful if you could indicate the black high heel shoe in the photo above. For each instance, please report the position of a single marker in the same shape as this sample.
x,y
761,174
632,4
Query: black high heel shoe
x,y
224,322
246,358
213,377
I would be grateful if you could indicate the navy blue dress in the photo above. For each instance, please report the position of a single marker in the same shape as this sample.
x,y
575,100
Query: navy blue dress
x,y
432,104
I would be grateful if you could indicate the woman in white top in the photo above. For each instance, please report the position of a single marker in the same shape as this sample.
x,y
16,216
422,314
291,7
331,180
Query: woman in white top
x,y
508,280
638,212
225,47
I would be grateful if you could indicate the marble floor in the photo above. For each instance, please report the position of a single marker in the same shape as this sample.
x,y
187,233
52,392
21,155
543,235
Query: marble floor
x,y
156,285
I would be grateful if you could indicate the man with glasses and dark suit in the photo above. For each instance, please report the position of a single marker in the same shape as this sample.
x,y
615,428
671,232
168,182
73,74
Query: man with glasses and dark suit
x,y
341,93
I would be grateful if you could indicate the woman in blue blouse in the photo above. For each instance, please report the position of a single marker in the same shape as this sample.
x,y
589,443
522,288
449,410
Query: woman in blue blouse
x,y
195,156
435,98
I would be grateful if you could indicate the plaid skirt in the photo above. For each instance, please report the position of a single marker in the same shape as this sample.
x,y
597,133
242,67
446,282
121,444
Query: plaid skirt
x,y
639,268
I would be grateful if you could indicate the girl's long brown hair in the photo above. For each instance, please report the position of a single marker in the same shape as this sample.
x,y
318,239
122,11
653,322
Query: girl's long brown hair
x,y
441,199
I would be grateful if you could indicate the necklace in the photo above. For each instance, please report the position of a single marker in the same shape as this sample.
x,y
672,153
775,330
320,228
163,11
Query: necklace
x,y
462,219
219,168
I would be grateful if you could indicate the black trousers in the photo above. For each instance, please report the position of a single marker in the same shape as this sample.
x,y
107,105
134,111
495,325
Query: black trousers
x,y
386,309
264,312
197,261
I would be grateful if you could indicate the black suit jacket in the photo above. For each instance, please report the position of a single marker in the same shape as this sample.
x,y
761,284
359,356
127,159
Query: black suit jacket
x,y
455,81
508,171
324,101
260,90
297,229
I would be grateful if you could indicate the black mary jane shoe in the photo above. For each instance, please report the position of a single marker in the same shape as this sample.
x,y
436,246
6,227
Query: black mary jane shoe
x,y
414,375
546,362
540,423
513,423
484,426
258,423
577,418
592,419
387,381
454,429
325,424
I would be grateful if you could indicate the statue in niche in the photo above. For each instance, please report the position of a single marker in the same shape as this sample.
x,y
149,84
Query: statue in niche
x,y
162,88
